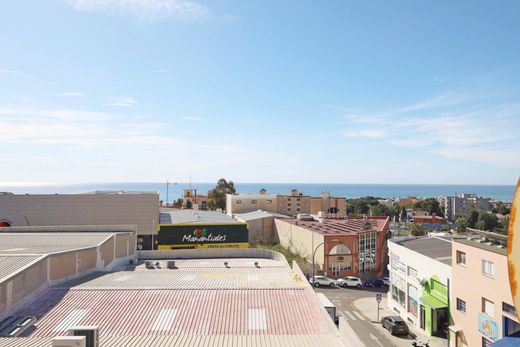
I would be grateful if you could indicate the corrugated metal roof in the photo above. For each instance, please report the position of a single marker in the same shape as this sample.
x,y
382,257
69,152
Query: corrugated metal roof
x,y
44,243
351,226
198,278
12,263
120,312
169,216
190,341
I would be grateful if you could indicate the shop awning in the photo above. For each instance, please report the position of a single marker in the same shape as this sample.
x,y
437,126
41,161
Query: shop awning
x,y
454,328
509,341
433,302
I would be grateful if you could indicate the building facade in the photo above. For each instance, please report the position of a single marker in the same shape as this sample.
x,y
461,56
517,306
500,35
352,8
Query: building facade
x,y
291,204
482,305
420,271
354,246
454,205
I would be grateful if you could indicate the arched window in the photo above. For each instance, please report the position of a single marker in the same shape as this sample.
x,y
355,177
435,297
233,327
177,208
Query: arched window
x,y
340,249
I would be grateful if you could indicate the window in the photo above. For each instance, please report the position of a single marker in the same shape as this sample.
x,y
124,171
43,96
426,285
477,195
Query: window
x,y
298,199
488,268
298,209
269,201
253,201
239,201
488,307
508,308
461,258
461,305
398,295
367,252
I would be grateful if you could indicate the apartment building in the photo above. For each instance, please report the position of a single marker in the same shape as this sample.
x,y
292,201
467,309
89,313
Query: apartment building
x,y
291,204
454,205
482,307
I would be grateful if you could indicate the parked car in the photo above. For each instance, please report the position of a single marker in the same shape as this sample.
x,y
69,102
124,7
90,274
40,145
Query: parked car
x,y
374,283
322,281
349,281
386,281
395,325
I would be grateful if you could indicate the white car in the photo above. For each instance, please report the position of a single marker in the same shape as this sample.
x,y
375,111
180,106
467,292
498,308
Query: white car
x,y
350,281
322,281
386,281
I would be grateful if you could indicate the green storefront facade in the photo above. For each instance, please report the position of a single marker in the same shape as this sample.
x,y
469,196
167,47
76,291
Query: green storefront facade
x,y
434,307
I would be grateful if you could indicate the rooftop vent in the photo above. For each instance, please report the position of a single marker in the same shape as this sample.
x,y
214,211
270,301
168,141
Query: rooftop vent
x,y
226,264
149,264
256,264
170,264
69,341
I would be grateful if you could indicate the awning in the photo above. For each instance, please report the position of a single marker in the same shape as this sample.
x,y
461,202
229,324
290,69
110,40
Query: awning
x,y
508,341
454,328
433,302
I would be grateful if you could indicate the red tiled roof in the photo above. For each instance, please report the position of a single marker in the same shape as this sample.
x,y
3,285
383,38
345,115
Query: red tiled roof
x,y
351,226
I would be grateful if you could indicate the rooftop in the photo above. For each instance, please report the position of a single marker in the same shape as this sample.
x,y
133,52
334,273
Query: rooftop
x,y
188,216
487,246
45,243
200,302
343,226
259,214
434,247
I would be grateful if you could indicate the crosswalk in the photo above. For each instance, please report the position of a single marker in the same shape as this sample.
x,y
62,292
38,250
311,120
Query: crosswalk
x,y
353,315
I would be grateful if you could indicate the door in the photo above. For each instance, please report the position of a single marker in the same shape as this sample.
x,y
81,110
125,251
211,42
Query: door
x,y
335,270
422,317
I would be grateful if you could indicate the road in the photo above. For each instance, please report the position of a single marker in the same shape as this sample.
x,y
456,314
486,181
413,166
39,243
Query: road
x,y
368,329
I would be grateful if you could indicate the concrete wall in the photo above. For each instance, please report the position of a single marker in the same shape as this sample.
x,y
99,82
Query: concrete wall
x,y
495,289
141,210
300,240
250,202
212,253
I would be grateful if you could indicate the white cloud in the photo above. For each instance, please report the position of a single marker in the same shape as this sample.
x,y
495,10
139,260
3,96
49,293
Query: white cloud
x,y
440,79
373,134
191,118
7,71
67,94
145,9
125,101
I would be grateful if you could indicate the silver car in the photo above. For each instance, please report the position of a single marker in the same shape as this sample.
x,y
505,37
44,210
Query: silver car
x,y
349,281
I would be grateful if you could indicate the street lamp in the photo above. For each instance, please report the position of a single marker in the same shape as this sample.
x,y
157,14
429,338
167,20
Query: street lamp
x,y
314,253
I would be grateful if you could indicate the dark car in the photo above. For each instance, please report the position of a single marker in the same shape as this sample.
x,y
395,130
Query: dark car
x,y
395,325
374,283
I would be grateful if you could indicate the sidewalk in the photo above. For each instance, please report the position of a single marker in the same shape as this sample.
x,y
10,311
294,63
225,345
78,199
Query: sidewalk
x,y
368,307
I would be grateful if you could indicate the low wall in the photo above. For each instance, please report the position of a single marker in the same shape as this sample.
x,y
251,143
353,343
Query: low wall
x,y
212,253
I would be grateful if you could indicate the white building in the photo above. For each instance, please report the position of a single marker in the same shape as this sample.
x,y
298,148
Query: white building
x,y
420,271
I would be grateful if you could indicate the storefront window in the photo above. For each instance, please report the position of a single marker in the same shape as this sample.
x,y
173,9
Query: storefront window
x,y
398,295
412,300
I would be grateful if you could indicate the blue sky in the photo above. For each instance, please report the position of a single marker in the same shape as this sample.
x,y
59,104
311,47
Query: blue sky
x,y
259,91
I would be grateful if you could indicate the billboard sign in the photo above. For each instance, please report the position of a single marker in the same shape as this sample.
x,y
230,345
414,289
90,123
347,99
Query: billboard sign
x,y
205,236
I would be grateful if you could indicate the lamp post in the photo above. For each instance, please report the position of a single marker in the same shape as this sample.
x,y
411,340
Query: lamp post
x,y
314,253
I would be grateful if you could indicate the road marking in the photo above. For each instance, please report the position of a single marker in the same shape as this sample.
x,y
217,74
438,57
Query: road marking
x,y
336,302
373,337
358,315
350,315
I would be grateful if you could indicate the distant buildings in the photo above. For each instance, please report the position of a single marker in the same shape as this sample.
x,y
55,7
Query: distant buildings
x,y
420,270
428,220
481,302
454,205
352,246
292,204
192,200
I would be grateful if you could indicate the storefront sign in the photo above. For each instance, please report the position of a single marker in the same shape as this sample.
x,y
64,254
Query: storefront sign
x,y
488,327
179,236
398,267
399,282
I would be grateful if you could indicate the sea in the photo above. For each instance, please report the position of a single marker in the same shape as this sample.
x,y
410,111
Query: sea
x,y
173,190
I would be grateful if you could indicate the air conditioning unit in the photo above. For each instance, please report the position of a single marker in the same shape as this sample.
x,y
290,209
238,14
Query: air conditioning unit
x,y
170,264
69,341
91,334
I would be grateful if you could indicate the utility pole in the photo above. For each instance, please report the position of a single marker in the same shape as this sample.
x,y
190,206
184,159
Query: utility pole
x,y
167,186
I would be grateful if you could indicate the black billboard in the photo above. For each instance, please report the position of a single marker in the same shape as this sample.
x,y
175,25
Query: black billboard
x,y
185,235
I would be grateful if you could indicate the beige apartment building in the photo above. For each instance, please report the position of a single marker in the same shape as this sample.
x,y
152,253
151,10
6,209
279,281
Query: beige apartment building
x,y
481,303
292,204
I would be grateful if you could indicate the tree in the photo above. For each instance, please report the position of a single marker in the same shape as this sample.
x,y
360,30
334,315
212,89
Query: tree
x,y
178,202
379,210
403,214
472,217
417,229
217,196
486,221
461,223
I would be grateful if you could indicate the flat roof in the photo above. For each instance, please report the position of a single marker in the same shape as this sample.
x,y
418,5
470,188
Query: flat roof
x,y
258,214
434,247
487,246
10,263
45,243
351,226
188,216
200,302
